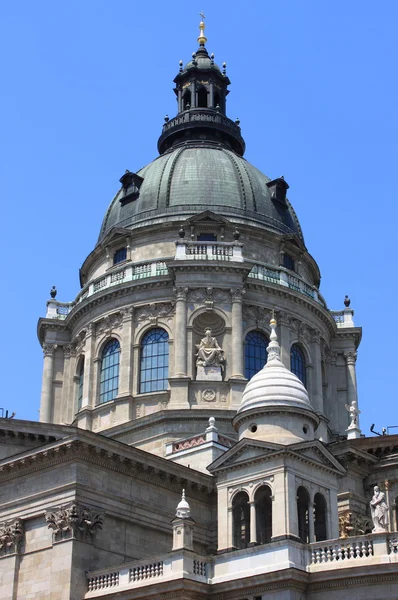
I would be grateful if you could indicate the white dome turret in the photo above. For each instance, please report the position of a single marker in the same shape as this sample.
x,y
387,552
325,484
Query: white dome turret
x,y
275,405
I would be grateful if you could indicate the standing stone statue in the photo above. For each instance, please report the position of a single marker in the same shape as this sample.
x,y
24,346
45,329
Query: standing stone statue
x,y
353,411
379,510
209,352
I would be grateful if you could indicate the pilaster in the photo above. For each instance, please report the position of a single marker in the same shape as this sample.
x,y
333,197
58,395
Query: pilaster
x,y
88,399
237,333
126,371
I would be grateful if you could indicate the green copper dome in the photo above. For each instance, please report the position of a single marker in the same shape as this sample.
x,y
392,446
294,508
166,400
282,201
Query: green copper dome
x,y
201,164
196,177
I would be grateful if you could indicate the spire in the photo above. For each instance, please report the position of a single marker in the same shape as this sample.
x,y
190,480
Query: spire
x,y
202,39
183,509
273,349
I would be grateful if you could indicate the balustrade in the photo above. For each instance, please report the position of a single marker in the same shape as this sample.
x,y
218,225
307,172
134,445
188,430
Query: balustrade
x,y
349,549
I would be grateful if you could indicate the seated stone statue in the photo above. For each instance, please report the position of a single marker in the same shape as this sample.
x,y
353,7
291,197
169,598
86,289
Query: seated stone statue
x,y
209,352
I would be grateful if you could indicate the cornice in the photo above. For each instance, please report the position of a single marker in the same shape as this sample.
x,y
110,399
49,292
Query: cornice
x,y
117,457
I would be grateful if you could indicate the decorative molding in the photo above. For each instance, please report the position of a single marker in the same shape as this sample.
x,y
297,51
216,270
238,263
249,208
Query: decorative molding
x,y
152,312
209,395
11,537
74,521
181,293
351,357
108,324
49,349
260,314
237,294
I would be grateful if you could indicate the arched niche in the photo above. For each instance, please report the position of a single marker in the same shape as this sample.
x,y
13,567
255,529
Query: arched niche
x,y
320,515
303,514
240,520
263,504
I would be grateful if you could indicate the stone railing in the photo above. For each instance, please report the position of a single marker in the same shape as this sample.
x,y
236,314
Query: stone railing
x,y
226,251
281,276
142,573
343,318
60,310
210,435
341,550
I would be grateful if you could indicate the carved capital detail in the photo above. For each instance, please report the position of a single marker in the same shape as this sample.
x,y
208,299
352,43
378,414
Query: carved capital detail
x,y
181,293
11,537
237,294
152,312
74,521
49,349
351,357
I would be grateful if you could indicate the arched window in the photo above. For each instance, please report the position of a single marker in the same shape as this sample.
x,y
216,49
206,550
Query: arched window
x,y
217,100
297,363
320,517
187,100
263,503
154,370
202,98
109,380
303,514
80,375
255,353
120,255
241,520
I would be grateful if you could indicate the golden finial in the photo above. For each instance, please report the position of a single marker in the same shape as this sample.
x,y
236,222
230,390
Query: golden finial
x,y
273,320
202,39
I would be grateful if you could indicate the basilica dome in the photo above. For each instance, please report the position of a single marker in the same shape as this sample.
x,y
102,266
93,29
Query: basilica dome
x,y
215,177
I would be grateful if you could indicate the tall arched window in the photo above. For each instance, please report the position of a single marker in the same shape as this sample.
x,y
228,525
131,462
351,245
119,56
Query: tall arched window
x,y
297,363
320,517
187,100
241,520
109,379
303,514
263,503
154,369
255,353
80,375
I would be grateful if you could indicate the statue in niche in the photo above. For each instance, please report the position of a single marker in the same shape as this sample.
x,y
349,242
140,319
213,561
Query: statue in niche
x,y
209,352
379,510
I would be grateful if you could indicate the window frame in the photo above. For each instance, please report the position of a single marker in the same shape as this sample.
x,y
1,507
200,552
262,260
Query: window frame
x,y
111,366
147,383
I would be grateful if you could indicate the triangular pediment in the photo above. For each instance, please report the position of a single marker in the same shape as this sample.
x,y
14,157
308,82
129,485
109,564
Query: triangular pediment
x,y
315,451
245,451
206,216
115,232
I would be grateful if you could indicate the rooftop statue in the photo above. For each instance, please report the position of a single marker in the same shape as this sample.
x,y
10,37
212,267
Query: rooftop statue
x,y
379,510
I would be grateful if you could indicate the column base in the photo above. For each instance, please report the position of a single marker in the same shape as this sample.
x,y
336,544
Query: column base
x,y
179,388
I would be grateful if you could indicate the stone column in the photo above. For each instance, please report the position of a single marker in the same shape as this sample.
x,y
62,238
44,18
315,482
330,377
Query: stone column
x,y
351,358
193,94
126,370
47,383
284,338
253,524
311,521
180,334
67,393
316,379
87,399
237,334
211,97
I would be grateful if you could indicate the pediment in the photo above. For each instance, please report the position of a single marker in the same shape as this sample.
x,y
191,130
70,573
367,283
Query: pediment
x,y
115,232
206,216
245,451
316,452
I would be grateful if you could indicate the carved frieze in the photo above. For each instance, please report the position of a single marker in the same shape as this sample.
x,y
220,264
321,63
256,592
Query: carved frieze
x,y
109,323
11,536
152,312
259,314
79,342
74,521
209,296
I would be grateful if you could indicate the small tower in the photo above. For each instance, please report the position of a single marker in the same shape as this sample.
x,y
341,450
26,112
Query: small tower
x,y
275,405
183,526
201,88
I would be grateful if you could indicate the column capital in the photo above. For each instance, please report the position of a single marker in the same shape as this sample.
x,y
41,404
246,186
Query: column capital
x,y
181,293
127,313
68,350
11,536
49,349
237,294
351,357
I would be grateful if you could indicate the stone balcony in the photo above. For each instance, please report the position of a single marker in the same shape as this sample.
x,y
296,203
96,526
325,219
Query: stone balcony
x,y
359,552
205,252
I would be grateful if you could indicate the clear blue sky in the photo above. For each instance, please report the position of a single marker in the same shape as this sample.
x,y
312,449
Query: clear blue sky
x,y
85,86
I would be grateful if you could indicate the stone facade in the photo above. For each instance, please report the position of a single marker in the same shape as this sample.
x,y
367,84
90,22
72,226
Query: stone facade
x,y
276,474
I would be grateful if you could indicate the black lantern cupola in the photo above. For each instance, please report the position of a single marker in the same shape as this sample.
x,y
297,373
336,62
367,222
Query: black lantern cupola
x,y
201,89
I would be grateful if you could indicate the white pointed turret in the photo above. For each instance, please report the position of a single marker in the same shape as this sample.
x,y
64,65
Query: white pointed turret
x,y
183,526
183,510
275,404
